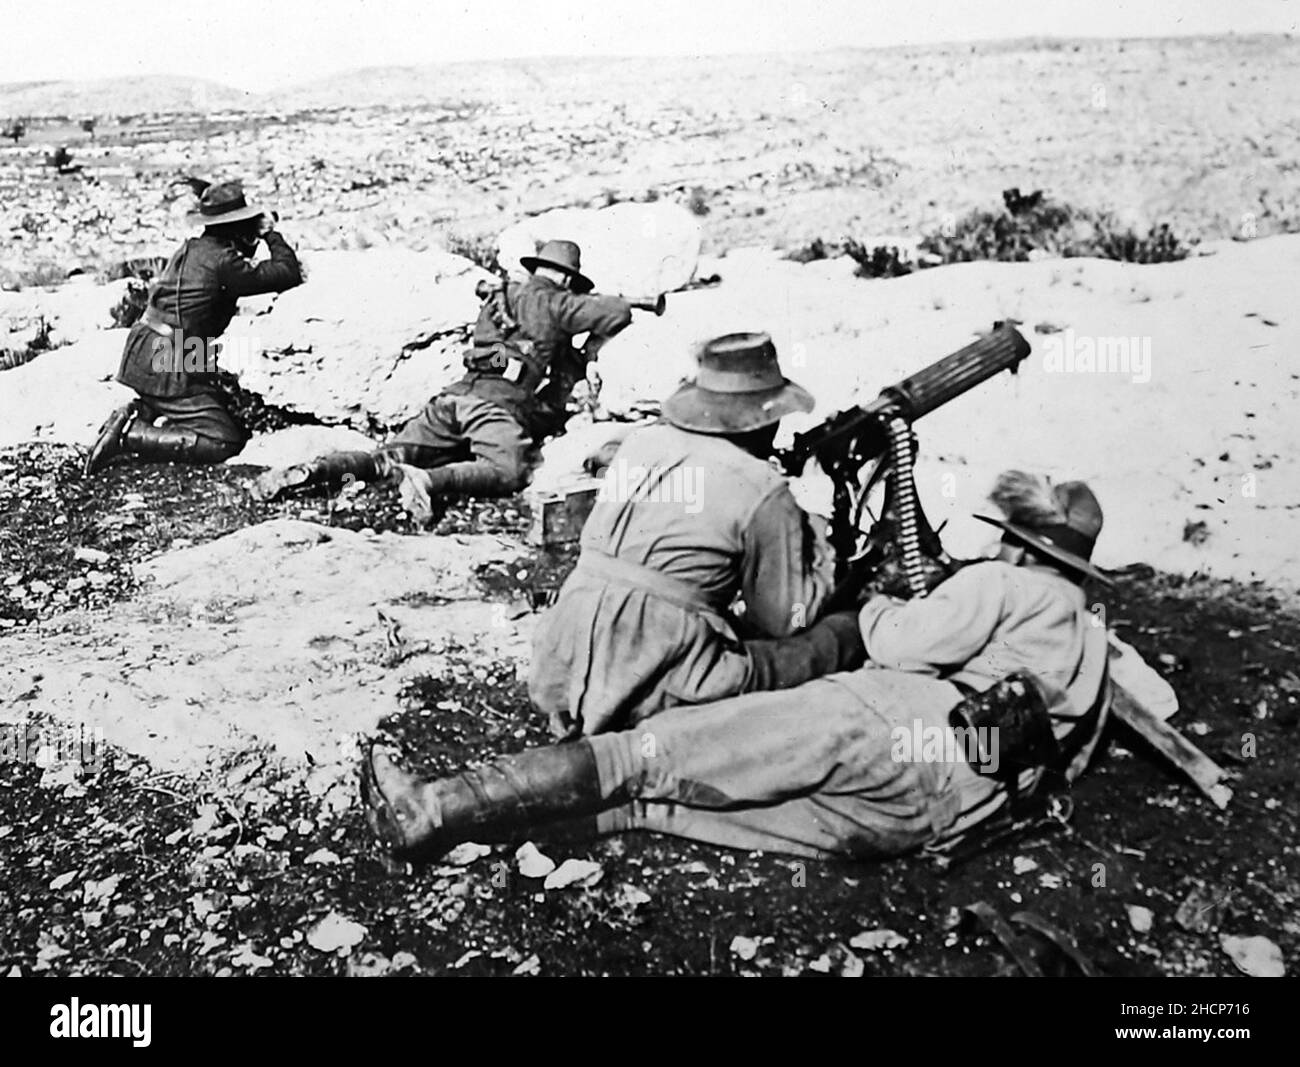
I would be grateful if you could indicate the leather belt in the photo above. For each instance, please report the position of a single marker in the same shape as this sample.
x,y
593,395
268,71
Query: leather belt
x,y
624,572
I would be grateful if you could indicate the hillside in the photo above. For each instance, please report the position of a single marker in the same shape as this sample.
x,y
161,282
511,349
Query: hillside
x,y
117,96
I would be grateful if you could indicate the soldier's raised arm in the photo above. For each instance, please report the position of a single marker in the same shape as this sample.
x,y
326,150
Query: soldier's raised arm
x,y
599,315
242,278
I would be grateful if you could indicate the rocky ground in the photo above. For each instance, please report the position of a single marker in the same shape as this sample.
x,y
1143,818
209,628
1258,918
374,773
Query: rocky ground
x,y
259,863
222,656
771,150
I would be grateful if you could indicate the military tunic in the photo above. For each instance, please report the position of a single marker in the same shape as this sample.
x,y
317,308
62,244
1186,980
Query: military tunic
x,y
684,524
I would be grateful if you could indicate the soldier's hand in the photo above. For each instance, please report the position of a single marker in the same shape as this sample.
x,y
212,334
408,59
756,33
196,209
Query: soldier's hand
x,y
598,461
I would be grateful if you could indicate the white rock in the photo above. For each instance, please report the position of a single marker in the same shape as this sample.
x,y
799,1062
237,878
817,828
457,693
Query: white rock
x,y
72,312
531,862
371,336
1256,956
63,396
301,444
466,853
1140,918
322,857
878,940
583,873
335,933
632,249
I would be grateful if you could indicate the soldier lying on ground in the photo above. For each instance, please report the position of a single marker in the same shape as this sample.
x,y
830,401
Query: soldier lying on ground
x,y
830,768
691,513
170,357
479,436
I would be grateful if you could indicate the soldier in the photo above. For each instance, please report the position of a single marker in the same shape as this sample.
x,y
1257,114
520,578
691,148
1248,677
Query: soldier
x,y
829,769
479,436
170,358
690,514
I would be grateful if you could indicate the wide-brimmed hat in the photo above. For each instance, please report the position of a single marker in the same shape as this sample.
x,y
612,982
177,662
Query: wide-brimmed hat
x,y
738,387
1059,522
561,255
224,202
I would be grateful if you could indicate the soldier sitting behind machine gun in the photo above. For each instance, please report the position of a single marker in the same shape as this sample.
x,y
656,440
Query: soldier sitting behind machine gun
x,y
975,698
480,435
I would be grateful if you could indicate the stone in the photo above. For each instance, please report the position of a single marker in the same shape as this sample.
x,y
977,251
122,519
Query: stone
x,y
300,444
63,396
71,312
366,341
282,669
632,248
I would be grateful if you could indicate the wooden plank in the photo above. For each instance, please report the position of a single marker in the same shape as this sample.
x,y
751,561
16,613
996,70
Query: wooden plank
x,y
1205,774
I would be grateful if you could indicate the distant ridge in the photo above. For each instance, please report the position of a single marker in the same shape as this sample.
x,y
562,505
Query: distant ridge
x,y
515,79
117,96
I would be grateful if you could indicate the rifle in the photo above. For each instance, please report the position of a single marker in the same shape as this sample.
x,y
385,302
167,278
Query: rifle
x,y
881,434
657,304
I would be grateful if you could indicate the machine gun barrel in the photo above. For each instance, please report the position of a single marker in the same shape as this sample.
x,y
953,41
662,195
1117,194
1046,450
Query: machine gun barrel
x,y
858,432
947,379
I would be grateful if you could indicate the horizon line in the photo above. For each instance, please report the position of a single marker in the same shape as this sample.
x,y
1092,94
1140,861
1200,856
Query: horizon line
x,y
606,57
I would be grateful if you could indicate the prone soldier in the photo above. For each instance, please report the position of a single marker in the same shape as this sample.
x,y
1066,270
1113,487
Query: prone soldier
x,y
480,435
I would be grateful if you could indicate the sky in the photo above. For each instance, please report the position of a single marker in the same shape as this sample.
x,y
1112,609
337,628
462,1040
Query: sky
x,y
264,44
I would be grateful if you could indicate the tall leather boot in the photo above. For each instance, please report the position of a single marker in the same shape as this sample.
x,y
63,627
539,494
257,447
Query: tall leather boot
x,y
109,442
833,643
493,803
332,471
475,477
174,444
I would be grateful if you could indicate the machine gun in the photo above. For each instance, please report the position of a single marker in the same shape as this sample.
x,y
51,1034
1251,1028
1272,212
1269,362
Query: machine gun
x,y
881,434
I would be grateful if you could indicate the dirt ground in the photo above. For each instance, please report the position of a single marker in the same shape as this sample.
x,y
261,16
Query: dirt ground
x,y
264,865
252,868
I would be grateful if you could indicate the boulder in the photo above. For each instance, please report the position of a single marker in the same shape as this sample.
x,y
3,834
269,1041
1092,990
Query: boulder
x,y
366,341
300,444
65,395
278,635
630,248
68,313
1191,446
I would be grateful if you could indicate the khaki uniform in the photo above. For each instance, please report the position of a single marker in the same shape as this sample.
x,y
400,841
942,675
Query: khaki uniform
x,y
481,433
194,299
819,770
686,522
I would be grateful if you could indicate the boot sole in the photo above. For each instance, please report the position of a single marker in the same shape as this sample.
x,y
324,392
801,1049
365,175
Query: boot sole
x,y
107,444
379,813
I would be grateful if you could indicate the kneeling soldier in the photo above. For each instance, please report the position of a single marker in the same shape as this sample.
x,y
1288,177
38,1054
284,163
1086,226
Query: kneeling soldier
x,y
170,355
